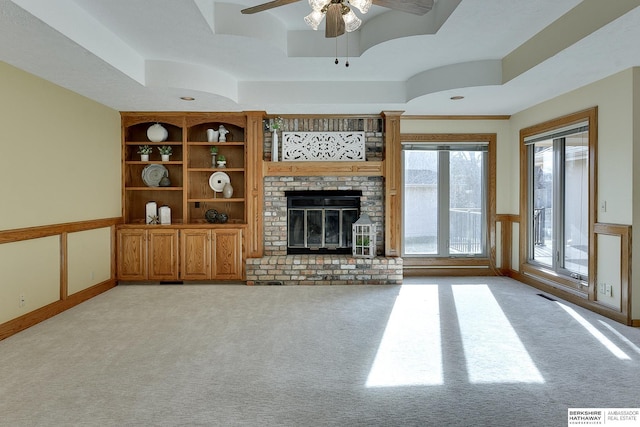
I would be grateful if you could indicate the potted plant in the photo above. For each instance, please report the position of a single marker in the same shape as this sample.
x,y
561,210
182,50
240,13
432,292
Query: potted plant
x,y
222,161
214,152
165,152
144,151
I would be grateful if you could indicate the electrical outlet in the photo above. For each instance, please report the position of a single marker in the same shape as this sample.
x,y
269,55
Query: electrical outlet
x,y
608,290
22,301
603,206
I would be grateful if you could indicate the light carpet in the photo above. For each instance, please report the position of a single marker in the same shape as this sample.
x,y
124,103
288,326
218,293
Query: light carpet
x,y
432,352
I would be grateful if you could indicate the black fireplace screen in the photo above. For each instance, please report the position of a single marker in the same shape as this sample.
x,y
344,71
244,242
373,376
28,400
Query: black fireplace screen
x,y
320,221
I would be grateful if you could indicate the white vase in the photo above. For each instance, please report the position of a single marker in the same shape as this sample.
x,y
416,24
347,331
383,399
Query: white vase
x,y
212,135
144,157
222,164
157,133
165,157
227,191
274,147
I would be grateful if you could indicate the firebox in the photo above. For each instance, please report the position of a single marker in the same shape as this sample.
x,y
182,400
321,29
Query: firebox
x,y
319,222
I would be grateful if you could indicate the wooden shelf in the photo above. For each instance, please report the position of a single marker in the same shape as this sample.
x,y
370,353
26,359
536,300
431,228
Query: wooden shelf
x,y
153,189
215,170
216,200
361,168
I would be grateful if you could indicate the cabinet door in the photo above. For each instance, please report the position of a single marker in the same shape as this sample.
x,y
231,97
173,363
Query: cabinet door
x,y
132,254
227,256
195,254
162,255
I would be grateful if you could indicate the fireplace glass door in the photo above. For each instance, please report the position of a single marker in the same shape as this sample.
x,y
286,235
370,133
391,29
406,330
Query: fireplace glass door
x,y
323,230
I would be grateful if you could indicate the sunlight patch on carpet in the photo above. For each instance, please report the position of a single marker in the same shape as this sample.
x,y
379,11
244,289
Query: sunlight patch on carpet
x,y
492,348
624,339
410,350
609,345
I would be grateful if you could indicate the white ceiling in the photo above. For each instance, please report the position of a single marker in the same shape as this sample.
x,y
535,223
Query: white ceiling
x,y
143,55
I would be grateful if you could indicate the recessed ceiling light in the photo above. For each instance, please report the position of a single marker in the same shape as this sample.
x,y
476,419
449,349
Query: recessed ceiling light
x,y
457,98
187,98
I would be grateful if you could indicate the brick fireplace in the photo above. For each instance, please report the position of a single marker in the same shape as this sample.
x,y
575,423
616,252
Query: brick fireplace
x,y
277,267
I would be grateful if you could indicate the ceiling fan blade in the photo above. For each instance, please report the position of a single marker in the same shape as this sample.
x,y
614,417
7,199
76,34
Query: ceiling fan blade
x,y
417,7
267,6
335,24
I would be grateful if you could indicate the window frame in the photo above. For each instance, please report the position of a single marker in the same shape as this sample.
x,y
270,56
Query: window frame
x,y
538,271
456,265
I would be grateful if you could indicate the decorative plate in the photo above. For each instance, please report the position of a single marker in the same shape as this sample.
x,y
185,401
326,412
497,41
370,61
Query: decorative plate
x,y
153,174
217,180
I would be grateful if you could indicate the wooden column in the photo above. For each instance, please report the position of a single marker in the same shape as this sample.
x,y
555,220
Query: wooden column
x,y
254,176
393,184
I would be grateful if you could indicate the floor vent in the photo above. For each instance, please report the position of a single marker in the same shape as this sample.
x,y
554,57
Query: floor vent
x,y
545,297
268,283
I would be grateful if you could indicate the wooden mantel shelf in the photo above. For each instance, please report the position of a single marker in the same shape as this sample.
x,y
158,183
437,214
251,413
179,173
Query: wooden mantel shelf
x,y
373,168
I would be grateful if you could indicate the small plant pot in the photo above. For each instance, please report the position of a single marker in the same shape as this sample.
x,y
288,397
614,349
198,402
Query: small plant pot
x,y
165,157
222,164
144,157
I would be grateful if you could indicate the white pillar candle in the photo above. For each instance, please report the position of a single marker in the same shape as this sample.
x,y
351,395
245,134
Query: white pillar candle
x,y
151,212
165,214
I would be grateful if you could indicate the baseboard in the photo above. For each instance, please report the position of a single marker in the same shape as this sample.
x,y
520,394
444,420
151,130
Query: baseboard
x,y
43,313
573,298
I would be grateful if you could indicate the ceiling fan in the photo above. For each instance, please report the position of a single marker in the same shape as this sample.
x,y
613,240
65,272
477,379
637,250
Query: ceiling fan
x,y
340,17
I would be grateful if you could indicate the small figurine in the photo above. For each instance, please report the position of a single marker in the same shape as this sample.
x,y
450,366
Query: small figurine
x,y
222,131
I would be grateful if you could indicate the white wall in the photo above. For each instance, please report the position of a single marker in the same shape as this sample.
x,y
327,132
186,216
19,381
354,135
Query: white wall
x,y
614,97
618,134
635,146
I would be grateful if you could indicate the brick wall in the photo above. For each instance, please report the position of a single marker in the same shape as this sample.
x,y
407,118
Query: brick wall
x,y
276,267
275,204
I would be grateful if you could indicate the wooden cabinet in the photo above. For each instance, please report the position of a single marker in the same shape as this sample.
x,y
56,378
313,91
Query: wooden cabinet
x,y
211,254
190,195
147,254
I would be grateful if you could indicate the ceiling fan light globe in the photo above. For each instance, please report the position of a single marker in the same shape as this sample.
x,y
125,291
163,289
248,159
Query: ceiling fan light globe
x,y
351,21
318,4
362,5
314,19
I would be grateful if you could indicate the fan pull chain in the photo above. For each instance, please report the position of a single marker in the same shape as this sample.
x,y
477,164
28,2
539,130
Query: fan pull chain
x,y
337,51
347,63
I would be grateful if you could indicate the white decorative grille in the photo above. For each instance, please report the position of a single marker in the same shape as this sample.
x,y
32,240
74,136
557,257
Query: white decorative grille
x,y
334,146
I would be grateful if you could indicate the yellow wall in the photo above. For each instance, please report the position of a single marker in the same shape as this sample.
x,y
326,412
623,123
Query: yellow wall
x,y
59,163
60,156
29,268
88,259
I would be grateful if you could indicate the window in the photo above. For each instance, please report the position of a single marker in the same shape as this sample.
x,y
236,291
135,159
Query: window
x,y
445,199
558,198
